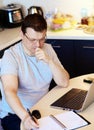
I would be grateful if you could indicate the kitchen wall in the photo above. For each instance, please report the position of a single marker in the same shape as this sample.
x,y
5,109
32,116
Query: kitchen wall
x,y
67,6
1,3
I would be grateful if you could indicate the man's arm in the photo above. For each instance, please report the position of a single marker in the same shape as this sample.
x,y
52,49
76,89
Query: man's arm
x,y
10,86
60,75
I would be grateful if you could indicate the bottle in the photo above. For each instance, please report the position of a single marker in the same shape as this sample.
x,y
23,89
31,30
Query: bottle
x,y
84,19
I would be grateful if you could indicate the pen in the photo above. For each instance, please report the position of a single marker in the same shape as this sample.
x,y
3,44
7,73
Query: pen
x,y
32,117
60,123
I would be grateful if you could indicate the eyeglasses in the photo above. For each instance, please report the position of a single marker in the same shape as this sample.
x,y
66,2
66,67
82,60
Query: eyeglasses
x,y
36,40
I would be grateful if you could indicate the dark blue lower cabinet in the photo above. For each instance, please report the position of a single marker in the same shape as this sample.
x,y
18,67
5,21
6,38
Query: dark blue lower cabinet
x,y
75,55
65,52
84,55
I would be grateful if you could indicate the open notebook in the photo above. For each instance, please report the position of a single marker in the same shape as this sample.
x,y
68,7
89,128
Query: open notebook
x,y
64,121
75,99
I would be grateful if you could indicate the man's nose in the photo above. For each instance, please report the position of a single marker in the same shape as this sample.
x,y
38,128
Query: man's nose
x,y
37,43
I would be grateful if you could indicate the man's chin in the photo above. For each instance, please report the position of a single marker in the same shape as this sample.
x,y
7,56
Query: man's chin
x,y
33,53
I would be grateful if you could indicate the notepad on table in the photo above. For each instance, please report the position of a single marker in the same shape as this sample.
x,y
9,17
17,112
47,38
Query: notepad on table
x,y
69,120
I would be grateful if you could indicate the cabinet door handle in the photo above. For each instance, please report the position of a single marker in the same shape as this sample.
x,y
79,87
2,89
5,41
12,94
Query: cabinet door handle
x,y
88,47
56,46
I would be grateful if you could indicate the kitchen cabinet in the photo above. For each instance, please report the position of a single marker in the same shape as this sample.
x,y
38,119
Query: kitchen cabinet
x,y
75,55
65,52
84,53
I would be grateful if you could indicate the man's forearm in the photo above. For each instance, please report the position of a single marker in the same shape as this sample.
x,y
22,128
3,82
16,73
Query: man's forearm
x,y
60,75
16,105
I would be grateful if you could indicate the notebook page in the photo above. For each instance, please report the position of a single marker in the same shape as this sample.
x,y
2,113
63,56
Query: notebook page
x,y
48,123
70,119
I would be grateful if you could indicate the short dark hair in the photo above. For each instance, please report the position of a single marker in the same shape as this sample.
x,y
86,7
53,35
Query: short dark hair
x,y
34,21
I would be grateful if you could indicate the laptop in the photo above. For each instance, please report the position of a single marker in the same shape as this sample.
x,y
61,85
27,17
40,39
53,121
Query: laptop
x,y
75,99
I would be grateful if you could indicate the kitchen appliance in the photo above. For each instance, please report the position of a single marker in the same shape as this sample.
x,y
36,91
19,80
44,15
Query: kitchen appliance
x,y
11,16
35,9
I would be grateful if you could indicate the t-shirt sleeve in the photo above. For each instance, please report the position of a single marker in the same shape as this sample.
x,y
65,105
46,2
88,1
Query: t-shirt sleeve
x,y
8,64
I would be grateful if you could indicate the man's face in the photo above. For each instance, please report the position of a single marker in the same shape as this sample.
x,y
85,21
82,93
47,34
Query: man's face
x,y
32,40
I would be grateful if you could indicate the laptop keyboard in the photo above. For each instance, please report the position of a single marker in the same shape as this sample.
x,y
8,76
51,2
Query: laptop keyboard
x,y
77,101
73,99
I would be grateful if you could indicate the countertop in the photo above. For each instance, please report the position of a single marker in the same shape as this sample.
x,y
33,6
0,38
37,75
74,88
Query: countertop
x,y
71,34
10,36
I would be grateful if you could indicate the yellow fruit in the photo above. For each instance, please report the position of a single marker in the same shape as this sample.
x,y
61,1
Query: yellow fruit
x,y
58,20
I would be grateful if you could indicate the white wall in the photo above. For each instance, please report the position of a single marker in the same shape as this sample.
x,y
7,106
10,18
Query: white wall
x,y
67,6
1,3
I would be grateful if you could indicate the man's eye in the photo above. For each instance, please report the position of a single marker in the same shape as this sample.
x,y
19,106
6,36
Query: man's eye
x,y
33,40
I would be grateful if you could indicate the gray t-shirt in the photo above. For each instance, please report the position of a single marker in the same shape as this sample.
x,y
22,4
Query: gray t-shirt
x,y
34,76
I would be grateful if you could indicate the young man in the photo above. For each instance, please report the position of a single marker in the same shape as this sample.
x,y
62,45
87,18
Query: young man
x,y
26,73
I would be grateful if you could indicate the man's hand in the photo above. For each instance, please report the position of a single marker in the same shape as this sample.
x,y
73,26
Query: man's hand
x,y
29,124
41,55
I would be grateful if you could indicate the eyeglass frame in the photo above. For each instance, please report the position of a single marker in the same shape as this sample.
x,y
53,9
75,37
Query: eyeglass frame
x,y
35,40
